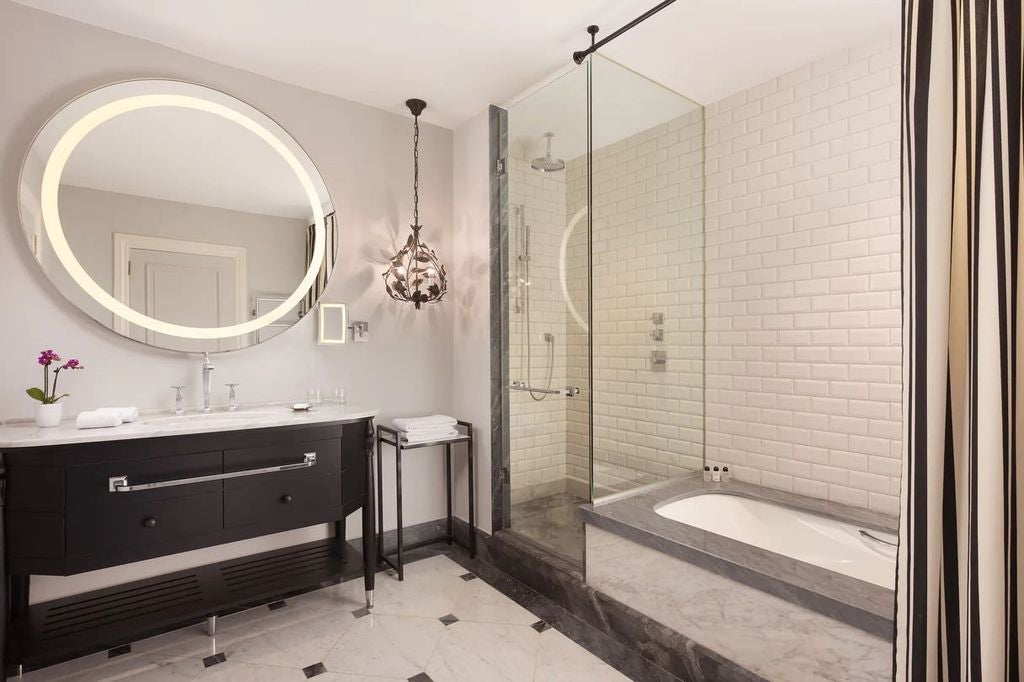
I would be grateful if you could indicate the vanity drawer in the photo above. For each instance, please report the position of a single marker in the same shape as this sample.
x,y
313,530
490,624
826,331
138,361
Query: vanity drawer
x,y
328,457
279,501
113,527
89,486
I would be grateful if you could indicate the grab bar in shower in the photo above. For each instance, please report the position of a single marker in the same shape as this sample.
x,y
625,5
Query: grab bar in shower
x,y
568,391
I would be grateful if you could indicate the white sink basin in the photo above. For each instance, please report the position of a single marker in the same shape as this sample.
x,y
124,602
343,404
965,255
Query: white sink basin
x,y
209,418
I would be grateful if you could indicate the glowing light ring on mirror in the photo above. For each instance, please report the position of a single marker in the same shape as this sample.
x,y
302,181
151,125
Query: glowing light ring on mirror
x,y
55,232
562,267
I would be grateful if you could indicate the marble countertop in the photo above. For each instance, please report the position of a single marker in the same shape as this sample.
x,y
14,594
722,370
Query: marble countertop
x,y
157,424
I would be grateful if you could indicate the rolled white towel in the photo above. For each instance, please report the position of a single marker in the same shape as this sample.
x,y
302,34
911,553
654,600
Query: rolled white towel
x,y
127,414
429,436
424,423
97,419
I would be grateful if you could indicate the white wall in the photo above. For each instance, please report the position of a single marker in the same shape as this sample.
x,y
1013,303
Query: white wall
x,y
470,281
364,156
803,286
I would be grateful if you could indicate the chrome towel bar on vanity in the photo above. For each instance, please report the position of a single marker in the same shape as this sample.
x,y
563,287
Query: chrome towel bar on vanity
x,y
119,484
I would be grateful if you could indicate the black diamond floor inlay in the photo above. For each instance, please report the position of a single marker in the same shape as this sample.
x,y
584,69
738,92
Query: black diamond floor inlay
x,y
467,577
119,651
314,670
449,619
421,677
540,626
274,606
215,659
359,613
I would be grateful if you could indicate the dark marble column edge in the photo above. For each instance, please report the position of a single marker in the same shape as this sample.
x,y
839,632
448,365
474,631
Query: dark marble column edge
x,y
501,497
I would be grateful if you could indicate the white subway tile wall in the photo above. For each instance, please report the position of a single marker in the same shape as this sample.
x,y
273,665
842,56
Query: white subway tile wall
x,y
803,280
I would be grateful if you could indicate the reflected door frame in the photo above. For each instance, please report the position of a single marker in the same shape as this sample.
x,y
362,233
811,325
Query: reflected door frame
x,y
125,243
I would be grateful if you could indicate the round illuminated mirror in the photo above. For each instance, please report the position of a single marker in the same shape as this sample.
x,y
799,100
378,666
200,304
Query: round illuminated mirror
x,y
177,216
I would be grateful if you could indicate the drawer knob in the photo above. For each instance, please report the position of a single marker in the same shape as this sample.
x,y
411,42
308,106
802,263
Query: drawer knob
x,y
286,499
149,522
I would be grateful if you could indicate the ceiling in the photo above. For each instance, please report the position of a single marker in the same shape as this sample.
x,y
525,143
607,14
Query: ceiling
x,y
461,55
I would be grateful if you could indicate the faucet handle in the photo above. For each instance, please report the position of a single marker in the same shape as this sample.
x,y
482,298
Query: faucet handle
x,y
179,400
232,397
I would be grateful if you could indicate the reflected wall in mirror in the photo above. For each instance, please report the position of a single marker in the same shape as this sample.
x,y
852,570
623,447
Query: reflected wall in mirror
x,y
177,216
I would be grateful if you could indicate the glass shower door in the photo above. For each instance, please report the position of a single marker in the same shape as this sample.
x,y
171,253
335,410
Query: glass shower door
x,y
547,312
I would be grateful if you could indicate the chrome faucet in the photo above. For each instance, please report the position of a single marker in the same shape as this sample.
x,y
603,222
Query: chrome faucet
x,y
207,381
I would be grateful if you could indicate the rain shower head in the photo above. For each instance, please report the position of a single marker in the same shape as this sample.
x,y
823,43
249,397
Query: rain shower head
x,y
546,164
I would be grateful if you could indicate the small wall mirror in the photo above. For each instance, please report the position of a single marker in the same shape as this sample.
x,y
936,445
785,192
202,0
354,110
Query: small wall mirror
x,y
333,324
177,216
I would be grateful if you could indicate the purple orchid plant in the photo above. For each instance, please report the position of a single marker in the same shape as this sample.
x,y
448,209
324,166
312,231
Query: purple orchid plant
x,y
47,395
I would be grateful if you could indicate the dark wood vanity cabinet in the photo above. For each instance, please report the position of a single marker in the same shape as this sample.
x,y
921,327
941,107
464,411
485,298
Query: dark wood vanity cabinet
x,y
81,507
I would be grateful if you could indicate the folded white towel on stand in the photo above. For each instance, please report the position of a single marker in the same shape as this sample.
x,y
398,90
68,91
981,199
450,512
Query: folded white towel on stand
x,y
429,436
127,414
432,422
98,419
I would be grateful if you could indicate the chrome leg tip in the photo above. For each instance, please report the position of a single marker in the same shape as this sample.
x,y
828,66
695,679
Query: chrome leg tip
x,y
369,599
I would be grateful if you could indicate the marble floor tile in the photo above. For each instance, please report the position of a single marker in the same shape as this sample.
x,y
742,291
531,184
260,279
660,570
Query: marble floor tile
x,y
135,667
482,603
559,658
485,651
392,646
490,637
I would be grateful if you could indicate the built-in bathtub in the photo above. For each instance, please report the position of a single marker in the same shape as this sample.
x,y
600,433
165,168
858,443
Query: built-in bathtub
x,y
832,558
784,586
867,554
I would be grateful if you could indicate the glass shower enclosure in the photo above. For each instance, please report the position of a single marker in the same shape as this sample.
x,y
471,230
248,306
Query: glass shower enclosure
x,y
601,296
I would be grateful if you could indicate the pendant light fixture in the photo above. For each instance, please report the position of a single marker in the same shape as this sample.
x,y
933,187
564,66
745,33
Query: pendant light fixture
x,y
415,275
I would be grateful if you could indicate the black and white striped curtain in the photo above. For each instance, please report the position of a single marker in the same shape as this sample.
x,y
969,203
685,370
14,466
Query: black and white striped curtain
x,y
959,581
330,257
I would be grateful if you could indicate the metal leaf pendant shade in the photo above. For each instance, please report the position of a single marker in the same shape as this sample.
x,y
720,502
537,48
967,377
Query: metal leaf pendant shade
x,y
415,275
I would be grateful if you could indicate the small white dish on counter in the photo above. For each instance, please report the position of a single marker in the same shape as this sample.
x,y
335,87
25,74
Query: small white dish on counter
x,y
301,407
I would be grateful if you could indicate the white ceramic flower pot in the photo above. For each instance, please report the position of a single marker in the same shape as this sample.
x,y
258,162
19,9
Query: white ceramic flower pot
x,y
49,415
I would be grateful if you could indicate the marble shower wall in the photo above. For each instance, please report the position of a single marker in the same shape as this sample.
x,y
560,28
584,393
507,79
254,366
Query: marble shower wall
x,y
648,258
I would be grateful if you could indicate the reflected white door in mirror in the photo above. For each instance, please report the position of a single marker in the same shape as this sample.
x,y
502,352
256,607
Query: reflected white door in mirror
x,y
177,216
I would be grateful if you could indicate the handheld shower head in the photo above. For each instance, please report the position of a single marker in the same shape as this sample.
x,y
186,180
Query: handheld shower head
x,y
546,164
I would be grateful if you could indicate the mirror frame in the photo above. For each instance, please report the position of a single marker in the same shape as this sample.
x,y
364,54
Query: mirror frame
x,y
46,188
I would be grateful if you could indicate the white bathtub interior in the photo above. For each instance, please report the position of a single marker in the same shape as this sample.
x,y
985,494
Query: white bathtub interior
x,y
862,553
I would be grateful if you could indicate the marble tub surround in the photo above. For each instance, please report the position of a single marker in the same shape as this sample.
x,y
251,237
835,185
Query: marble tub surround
x,y
774,638
842,597
25,434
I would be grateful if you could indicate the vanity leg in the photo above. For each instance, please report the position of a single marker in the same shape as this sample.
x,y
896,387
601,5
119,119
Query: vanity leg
x,y
340,533
19,586
211,626
369,536
380,497
448,487
472,497
398,530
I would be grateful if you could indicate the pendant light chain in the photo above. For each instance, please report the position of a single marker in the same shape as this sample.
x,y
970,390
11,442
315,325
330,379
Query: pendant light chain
x,y
416,173
415,274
